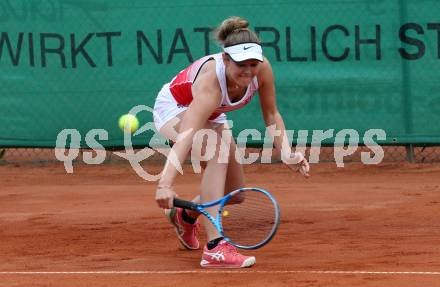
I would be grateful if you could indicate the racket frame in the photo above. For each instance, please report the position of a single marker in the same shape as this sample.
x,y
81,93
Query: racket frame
x,y
217,222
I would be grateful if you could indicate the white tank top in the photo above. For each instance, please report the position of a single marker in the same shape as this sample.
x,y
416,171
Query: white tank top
x,y
226,104
180,86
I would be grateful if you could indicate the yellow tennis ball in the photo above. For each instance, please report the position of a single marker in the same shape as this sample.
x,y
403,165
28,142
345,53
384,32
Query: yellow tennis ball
x,y
128,123
225,213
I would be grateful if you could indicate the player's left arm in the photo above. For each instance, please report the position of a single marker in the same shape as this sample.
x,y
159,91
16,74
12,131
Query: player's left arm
x,y
273,118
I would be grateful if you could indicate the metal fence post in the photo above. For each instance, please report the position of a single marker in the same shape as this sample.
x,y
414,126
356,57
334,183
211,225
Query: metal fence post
x,y
410,153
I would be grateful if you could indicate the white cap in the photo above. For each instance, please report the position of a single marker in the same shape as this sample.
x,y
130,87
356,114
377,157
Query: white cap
x,y
245,51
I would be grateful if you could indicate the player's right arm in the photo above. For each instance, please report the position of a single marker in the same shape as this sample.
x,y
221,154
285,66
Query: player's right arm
x,y
206,98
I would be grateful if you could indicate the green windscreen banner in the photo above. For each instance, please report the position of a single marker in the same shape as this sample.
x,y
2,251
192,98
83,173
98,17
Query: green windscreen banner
x,y
338,65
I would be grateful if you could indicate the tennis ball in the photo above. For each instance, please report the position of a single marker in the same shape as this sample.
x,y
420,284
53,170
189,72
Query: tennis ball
x,y
128,123
225,213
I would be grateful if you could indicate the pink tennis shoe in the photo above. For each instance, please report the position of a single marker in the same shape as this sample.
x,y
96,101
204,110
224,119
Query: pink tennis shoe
x,y
224,255
186,232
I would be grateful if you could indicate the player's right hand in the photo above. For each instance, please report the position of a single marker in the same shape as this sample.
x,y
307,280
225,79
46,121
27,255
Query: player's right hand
x,y
165,196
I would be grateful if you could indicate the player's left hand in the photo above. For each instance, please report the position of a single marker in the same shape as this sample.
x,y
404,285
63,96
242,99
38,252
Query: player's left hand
x,y
303,166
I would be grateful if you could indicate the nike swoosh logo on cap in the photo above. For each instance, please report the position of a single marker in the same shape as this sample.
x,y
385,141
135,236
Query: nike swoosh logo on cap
x,y
245,48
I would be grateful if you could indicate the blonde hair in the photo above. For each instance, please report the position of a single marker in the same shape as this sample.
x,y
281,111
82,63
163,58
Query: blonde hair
x,y
234,30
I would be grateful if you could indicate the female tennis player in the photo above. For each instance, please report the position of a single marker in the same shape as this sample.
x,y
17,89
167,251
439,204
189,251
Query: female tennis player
x,y
196,99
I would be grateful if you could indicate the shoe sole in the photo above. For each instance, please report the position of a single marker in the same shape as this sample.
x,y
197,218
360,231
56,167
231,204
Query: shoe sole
x,y
170,213
246,264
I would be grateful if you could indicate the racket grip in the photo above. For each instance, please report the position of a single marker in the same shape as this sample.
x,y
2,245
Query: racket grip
x,y
185,204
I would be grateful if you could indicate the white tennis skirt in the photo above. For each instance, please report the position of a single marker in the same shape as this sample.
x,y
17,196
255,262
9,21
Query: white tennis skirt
x,y
166,108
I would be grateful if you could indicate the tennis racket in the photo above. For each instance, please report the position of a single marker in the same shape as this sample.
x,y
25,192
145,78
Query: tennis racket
x,y
248,218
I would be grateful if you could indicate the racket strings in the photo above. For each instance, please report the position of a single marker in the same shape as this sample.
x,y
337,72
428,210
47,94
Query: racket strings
x,y
251,221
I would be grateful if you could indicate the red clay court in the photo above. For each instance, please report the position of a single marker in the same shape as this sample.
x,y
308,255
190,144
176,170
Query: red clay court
x,y
358,225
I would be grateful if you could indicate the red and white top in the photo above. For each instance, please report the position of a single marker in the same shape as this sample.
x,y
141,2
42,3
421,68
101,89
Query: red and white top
x,y
181,86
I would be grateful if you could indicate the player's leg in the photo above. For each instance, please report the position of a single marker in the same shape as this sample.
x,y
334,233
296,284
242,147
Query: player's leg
x,y
218,253
212,186
235,178
213,183
220,177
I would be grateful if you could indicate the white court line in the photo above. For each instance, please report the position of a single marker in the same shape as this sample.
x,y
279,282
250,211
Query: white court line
x,y
176,272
